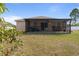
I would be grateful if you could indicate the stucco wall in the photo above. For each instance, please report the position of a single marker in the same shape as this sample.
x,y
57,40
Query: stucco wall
x,y
20,25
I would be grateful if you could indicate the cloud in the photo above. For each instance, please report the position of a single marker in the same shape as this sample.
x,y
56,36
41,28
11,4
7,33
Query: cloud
x,y
12,19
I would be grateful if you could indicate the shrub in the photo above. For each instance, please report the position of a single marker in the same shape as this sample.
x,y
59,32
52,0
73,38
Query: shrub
x,y
9,39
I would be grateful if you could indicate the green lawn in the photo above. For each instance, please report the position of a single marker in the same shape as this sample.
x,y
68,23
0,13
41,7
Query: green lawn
x,y
51,44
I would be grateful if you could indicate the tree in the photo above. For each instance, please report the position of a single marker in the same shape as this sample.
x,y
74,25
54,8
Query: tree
x,y
74,14
9,38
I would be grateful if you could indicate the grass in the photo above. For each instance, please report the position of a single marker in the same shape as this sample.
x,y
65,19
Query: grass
x,y
51,44
76,24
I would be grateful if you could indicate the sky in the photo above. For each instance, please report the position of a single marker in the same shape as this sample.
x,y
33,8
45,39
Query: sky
x,y
25,10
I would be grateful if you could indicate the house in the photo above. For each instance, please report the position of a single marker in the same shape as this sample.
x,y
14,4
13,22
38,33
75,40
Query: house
x,y
43,24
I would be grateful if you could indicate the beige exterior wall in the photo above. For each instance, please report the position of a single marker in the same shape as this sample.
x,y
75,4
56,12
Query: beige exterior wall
x,y
20,25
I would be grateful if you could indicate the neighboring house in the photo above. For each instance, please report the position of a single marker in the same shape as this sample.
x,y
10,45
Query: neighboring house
x,y
43,24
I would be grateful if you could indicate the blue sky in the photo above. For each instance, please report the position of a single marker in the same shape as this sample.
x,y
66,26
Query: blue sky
x,y
54,10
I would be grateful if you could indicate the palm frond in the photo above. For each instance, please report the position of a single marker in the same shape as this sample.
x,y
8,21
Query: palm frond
x,y
2,8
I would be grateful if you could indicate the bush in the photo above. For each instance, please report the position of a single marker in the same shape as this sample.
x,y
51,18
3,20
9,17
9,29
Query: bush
x,y
10,41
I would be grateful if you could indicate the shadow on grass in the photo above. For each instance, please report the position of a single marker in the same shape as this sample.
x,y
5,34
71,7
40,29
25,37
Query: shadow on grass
x,y
46,33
